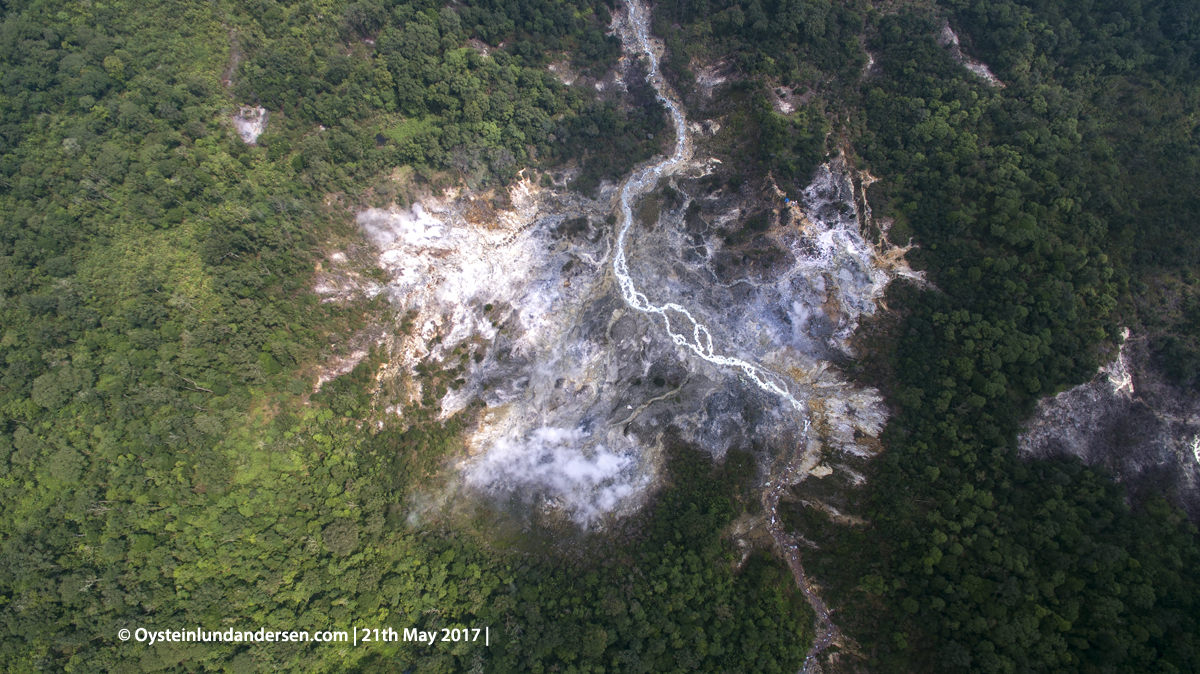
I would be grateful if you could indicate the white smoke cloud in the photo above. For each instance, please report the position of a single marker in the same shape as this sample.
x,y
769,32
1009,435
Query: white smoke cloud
x,y
412,226
588,482
250,123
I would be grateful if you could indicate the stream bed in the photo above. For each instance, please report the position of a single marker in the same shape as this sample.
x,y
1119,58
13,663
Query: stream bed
x,y
588,341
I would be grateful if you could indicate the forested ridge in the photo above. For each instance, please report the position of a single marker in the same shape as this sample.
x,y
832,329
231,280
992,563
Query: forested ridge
x,y
164,460
1048,212
1038,218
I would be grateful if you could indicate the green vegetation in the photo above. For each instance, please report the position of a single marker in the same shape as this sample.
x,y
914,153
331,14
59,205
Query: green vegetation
x,y
164,460
404,73
672,602
789,42
1027,206
800,47
1048,213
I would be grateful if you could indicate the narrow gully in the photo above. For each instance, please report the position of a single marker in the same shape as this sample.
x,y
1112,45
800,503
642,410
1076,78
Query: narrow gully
x,y
634,32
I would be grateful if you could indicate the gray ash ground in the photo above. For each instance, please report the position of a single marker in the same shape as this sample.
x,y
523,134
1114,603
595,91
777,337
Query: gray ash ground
x,y
673,308
578,388
579,378
1131,422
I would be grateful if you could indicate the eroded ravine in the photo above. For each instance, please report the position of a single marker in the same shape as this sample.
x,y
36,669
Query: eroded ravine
x,y
555,320
635,35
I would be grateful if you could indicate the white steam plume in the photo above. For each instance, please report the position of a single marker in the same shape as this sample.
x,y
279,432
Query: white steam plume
x,y
587,483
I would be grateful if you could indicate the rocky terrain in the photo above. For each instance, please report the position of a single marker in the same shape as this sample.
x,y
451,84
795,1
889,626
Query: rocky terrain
x,y
1130,421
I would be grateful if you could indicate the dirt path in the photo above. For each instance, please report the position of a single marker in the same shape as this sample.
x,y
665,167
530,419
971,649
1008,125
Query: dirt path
x,y
235,58
827,632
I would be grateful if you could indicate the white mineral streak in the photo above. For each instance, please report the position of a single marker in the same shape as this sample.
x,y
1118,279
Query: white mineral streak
x,y
1071,419
869,66
341,283
563,71
949,39
708,78
338,367
694,336
250,123
1118,371
567,366
542,437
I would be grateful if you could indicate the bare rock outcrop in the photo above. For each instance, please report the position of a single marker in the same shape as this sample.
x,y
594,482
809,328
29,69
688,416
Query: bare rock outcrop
x,y
1132,422
250,123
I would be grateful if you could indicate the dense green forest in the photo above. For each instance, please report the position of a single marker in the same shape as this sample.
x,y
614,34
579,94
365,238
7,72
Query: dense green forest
x,y
164,461
1042,212
1048,212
